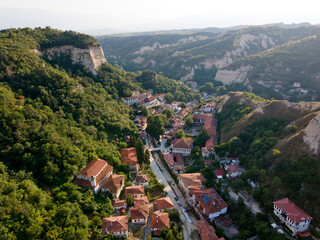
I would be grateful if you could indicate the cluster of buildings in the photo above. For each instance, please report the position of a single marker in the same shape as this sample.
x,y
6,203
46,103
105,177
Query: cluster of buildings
x,y
99,177
145,99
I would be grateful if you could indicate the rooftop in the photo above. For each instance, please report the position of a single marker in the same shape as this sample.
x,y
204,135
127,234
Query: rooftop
x,y
114,183
162,204
129,156
293,212
160,220
206,231
182,143
191,179
139,212
115,224
134,190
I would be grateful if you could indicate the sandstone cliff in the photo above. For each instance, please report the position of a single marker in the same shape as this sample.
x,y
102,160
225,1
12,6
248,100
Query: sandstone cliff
x,y
92,58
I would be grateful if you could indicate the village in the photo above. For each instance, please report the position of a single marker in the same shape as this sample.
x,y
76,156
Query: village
x,y
166,195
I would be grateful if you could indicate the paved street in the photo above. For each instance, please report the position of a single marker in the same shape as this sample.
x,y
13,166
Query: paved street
x,y
188,226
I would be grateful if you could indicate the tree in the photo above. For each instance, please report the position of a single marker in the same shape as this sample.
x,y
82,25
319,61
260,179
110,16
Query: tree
x,y
147,157
221,90
183,105
275,153
169,98
129,199
201,139
144,110
188,121
155,125
168,112
179,134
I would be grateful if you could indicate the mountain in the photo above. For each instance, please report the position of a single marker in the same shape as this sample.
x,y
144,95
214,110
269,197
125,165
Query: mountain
x,y
202,55
277,69
277,141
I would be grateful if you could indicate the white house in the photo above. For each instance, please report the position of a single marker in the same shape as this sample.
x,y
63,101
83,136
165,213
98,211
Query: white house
x,y
182,146
117,226
293,217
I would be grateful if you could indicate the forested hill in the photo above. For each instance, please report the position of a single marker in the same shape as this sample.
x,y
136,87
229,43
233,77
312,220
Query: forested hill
x,y
278,143
54,118
207,56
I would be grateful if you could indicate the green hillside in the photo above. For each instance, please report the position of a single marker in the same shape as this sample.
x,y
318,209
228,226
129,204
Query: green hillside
x,y
197,55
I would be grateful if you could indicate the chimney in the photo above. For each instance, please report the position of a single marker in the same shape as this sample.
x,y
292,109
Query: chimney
x,y
93,181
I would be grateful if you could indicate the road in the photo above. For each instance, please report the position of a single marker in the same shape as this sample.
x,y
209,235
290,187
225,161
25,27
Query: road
x,y
187,223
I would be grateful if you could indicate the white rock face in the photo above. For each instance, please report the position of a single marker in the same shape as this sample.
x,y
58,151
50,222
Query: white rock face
x,y
138,60
227,76
188,76
245,43
92,58
311,134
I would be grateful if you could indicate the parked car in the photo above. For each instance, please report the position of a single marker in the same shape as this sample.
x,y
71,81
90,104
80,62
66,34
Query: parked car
x,y
176,198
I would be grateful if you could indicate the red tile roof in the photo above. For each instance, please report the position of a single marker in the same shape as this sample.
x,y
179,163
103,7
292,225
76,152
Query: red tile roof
x,y
192,179
140,201
178,159
129,156
234,168
115,224
160,220
183,143
114,183
142,178
295,213
134,190
93,168
210,200
219,172
162,204
97,168
169,159
206,231
119,203
140,212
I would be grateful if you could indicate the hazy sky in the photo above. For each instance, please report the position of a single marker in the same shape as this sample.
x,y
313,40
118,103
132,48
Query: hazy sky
x,y
146,15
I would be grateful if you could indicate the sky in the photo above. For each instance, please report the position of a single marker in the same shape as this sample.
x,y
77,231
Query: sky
x,y
106,16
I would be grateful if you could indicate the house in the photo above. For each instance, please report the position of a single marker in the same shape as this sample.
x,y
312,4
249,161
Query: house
x,y
114,185
139,214
206,231
173,160
159,220
219,173
183,146
188,180
198,112
192,84
135,191
129,157
140,201
142,179
135,99
160,96
296,84
207,203
152,100
117,226
205,152
209,107
141,122
142,135
178,169
234,170
204,94
162,204
94,174
293,217
119,204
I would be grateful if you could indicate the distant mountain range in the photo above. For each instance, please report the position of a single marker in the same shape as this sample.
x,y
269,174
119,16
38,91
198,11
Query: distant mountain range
x,y
266,59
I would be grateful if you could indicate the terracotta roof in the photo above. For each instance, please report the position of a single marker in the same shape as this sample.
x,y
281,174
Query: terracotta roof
x,y
140,201
93,168
162,204
219,172
134,190
169,159
234,168
140,212
115,224
192,179
104,171
83,182
142,178
210,200
183,143
114,183
119,203
178,158
293,212
129,156
206,231
177,168
160,220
